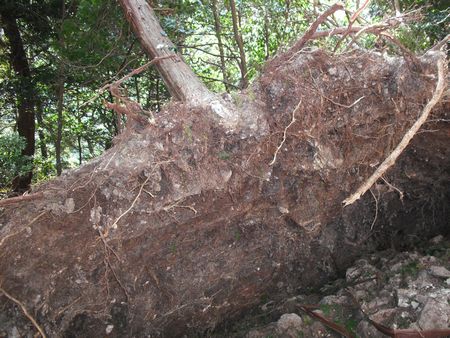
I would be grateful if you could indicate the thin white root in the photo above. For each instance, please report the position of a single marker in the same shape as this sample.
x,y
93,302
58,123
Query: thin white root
x,y
114,225
390,160
400,193
285,134
376,210
25,312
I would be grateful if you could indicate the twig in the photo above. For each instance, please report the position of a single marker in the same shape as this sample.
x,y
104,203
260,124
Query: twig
x,y
138,70
359,11
351,22
25,312
390,160
285,134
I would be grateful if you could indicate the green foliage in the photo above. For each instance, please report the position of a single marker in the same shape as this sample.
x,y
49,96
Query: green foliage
x,y
419,35
12,162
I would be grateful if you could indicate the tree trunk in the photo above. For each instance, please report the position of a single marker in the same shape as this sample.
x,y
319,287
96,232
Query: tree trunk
x,y
59,109
240,44
183,224
218,31
25,94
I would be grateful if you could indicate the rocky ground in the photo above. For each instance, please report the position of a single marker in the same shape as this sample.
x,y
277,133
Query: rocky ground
x,y
400,290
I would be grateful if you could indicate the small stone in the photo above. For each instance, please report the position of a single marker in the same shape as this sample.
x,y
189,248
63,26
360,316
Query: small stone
x,y
69,204
15,333
439,271
283,210
290,321
403,296
437,239
109,329
414,304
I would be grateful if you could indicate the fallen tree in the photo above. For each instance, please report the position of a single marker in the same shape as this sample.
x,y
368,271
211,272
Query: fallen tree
x,y
199,213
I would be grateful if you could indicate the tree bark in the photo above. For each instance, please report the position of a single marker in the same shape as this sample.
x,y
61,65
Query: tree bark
x,y
25,94
174,71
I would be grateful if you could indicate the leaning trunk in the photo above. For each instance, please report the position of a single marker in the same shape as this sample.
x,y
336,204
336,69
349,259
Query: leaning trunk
x,y
181,82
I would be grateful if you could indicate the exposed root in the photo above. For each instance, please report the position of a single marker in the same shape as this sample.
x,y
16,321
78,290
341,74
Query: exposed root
x,y
25,312
390,160
400,193
376,209
358,30
343,105
285,134
177,205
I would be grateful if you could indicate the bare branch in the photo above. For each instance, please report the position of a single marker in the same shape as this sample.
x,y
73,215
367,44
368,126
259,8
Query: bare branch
x,y
313,28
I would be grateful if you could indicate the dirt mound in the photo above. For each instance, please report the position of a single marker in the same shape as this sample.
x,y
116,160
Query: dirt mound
x,y
184,224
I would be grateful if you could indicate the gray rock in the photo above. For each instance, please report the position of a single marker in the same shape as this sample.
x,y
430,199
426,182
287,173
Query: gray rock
x,y
439,271
435,315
